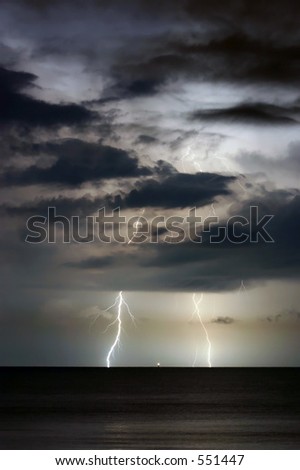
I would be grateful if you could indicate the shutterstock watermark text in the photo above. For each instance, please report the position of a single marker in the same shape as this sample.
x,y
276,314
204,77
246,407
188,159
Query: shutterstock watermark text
x,y
113,227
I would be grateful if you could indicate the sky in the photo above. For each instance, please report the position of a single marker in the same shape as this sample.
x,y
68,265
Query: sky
x,y
156,108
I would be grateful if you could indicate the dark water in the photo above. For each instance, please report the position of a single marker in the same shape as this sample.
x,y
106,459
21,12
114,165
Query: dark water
x,y
58,408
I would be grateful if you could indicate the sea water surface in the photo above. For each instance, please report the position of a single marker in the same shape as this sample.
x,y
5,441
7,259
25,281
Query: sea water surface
x,y
149,408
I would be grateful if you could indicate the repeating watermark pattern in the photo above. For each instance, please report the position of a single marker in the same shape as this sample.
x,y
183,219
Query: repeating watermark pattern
x,y
112,227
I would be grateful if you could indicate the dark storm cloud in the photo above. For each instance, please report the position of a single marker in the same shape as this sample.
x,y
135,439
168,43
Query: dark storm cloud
x,y
241,43
191,266
274,318
250,113
76,162
264,14
170,190
18,108
240,56
12,81
257,52
236,57
118,259
146,139
288,314
146,47
145,77
12,146
207,266
293,312
230,42
177,190
213,40
65,206
92,263
223,320
142,87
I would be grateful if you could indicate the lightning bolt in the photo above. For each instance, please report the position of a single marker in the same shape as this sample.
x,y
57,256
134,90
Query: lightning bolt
x,y
196,357
192,158
184,157
136,225
198,167
119,303
243,290
230,169
212,210
242,287
197,312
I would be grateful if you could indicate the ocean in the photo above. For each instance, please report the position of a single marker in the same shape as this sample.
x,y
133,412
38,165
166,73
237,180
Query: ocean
x,y
149,408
